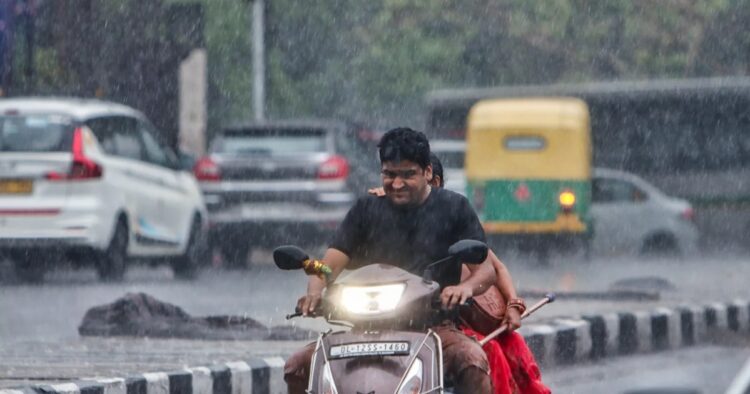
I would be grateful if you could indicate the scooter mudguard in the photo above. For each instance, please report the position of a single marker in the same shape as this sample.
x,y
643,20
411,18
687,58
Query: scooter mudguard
x,y
384,362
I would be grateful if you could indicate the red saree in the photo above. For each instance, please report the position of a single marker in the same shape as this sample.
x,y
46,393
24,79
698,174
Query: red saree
x,y
512,365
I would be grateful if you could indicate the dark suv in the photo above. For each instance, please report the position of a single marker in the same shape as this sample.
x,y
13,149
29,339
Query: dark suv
x,y
267,184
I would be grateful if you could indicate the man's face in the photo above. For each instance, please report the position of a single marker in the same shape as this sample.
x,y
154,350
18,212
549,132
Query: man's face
x,y
405,182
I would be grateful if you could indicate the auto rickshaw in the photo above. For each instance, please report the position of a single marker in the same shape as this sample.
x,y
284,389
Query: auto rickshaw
x,y
528,172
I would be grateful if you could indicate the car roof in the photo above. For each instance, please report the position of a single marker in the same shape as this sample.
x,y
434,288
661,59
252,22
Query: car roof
x,y
612,173
624,175
439,145
286,124
77,108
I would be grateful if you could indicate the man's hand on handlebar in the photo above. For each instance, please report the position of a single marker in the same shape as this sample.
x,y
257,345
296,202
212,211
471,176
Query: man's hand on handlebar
x,y
307,304
455,295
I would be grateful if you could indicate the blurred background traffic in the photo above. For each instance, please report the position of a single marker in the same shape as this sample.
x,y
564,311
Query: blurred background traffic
x,y
197,132
165,146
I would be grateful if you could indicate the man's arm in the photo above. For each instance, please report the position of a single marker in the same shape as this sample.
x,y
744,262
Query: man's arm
x,y
482,275
336,256
336,260
481,278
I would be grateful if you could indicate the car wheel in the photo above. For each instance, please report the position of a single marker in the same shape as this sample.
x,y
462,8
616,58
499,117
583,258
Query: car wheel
x,y
30,266
112,263
196,253
660,245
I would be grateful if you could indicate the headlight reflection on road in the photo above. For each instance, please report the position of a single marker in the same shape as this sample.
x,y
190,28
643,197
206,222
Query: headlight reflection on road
x,y
368,300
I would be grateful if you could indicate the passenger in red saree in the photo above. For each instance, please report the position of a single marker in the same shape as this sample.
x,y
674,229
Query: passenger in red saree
x,y
512,365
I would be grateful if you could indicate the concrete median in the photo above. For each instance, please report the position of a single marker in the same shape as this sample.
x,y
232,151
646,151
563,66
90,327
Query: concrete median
x,y
592,337
254,376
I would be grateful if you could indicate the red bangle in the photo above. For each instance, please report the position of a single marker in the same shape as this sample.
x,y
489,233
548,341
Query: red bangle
x,y
517,303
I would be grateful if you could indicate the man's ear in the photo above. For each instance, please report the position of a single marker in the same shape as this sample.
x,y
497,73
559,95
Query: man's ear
x,y
428,172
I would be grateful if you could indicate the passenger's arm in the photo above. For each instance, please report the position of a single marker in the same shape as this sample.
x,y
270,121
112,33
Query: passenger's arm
x,y
504,283
336,260
481,278
503,280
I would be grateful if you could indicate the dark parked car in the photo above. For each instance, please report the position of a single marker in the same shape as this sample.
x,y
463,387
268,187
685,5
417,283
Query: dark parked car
x,y
267,184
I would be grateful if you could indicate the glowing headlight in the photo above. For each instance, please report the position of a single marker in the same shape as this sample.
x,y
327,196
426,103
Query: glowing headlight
x,y
367,300
327,386
567,199
413,380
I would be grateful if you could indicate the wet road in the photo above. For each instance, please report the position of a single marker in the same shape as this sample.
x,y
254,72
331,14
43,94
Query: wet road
x,y
40,321
706,370
54,309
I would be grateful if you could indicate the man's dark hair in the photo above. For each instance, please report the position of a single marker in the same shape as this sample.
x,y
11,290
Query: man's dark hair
x,y
403,143
437,168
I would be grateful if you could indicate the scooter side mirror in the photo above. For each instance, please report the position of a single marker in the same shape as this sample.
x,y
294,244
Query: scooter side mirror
x,y
289,257
469,251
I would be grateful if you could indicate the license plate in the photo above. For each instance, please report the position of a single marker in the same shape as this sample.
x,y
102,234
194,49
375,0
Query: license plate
x,y
370,349
16,186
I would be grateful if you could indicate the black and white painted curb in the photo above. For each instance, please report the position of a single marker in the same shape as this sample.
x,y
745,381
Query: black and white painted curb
x,y
567,341
560,342
255,376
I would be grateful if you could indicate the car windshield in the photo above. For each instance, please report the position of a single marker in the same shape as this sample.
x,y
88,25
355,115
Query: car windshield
x,y
271,142
34,133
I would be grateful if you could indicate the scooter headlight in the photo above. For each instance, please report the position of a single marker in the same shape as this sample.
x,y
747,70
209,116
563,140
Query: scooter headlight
x,y
370,300
413,380
327,386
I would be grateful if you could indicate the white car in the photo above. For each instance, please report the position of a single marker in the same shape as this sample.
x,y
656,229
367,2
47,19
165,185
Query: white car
x,y
88,179
451,154
632,216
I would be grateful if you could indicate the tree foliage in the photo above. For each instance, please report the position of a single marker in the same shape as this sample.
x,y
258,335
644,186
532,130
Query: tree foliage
x,y
373,60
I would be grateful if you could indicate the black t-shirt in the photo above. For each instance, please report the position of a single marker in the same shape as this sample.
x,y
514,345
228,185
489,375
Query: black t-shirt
x,y
377,231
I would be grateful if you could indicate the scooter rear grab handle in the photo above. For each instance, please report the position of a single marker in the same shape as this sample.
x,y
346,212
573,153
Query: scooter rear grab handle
x,y
550,297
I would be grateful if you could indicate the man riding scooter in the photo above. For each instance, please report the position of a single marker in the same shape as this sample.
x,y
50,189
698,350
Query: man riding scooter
x,y
410,228
512,364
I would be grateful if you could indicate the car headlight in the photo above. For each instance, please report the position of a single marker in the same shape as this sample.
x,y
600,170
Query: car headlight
x,y
327,386
369,300
413,380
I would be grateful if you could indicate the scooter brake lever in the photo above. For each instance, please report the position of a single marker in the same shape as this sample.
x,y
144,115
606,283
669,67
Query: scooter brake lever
x,y
298,313
293,315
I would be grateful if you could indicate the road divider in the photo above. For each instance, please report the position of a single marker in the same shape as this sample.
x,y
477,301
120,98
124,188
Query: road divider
x,y
561,341
254,376
592,337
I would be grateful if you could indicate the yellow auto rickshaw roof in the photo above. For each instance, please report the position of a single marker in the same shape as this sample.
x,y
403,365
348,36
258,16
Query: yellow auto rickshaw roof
x,y
564,113
561,125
